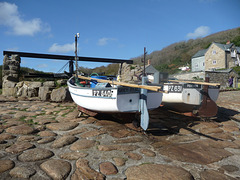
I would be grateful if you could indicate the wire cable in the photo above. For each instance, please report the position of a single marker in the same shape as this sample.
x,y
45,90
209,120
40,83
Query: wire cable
x,y
63,68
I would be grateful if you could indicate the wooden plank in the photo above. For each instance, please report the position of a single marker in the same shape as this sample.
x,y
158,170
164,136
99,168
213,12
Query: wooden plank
x,y
86,111
195,82
152,88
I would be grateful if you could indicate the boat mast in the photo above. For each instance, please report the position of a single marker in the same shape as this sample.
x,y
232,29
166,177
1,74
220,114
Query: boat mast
x,y
76,57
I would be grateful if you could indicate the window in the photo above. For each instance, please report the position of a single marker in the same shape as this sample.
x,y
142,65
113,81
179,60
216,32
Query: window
x,y
196,65
214,62
233,53
213,52
203,64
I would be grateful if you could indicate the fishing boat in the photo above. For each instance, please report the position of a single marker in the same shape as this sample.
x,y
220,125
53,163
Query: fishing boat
x,y
104,97
191,97
112,96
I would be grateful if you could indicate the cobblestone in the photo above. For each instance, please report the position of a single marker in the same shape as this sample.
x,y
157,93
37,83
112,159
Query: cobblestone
x,y
45,140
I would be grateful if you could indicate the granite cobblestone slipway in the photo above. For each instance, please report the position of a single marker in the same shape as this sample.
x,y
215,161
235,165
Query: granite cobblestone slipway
x,y
46,140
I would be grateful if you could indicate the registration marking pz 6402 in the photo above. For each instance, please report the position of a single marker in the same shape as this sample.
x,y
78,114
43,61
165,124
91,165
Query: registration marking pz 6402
x,y
102,93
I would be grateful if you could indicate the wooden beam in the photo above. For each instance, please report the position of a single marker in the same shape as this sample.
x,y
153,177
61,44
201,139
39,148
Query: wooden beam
x,y
152,88
195,82
64,57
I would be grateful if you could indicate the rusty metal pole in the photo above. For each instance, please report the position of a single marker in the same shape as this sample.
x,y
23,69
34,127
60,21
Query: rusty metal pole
x,y
208,106
205,87
207,78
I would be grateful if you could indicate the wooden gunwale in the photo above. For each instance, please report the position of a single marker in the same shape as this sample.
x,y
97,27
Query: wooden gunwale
x,y
152,88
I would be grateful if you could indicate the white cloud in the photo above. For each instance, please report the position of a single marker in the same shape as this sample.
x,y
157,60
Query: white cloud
x,y
199,32
42,65
62,48
10,17
104,41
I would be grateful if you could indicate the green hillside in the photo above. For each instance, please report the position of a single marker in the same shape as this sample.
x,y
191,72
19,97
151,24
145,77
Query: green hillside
x,y
171,57
175,55
111,69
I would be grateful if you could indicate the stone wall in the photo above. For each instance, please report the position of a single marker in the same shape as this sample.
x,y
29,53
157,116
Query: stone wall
x,y
189,76
223,77
30,89
45,91
130,73
11,66
214,53
214,77
230,60
10,74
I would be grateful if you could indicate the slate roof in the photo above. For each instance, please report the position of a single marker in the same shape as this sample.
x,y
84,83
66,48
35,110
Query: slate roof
x,y
222,70
150,69
200,53
224,46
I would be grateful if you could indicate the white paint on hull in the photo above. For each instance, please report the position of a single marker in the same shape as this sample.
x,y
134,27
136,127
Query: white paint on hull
x,y
118,102
84,99
190,96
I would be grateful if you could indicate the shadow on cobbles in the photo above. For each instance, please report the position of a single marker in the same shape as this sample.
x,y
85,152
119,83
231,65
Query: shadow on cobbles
x,y
225,114
164,122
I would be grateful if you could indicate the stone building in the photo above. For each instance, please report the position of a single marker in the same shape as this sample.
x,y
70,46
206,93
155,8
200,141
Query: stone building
x,y
217,61
198,61
217,56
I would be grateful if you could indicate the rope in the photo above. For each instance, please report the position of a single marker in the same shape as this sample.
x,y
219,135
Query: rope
x,y
96,74
63,68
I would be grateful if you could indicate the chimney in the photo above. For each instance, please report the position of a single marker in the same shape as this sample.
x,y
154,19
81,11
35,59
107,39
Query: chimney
x,y
149,61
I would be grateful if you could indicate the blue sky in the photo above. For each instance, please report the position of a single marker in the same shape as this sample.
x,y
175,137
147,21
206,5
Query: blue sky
x,y
108,28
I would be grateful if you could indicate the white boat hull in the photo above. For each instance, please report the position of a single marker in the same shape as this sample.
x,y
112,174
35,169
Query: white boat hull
x,y
110,99
186,97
